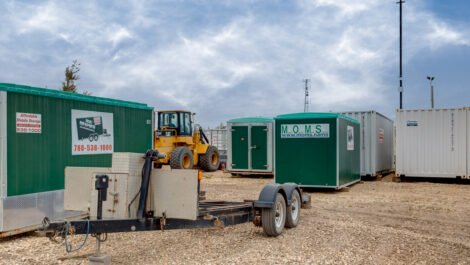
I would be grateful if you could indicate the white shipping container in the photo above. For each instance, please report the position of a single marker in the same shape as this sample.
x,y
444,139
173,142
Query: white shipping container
x,y
376,142
431,143
3,152
468,142
218,138
394,163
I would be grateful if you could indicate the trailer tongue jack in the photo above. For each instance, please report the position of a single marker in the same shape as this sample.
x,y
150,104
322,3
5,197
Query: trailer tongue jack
x,y
278,206
101,185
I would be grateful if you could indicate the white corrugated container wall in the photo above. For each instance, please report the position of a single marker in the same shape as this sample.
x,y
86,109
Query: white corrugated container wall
x,y
3,152
394,156
376,142
218,138
468,142
432,143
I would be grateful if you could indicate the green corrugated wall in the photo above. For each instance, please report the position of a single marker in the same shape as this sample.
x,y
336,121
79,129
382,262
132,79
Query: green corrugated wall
x,y
318,162
36,162
306,161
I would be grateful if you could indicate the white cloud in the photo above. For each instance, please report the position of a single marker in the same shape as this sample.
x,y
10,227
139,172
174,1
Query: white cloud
x,y
424,30
441,34
347,7
250,63
118,34
44,18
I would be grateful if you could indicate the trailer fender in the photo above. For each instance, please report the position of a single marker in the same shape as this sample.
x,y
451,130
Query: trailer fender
x,y
289,188
268,194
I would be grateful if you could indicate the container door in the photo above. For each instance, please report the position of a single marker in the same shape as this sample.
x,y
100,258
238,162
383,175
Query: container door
x,y
239,147
259,147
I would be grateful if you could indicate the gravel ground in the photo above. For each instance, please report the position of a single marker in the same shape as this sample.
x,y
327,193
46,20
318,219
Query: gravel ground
x,y
377,222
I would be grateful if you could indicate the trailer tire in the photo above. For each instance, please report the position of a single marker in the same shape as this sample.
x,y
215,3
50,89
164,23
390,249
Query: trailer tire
x,y
293,211
95,137
210,161
181,158
90,138
274,219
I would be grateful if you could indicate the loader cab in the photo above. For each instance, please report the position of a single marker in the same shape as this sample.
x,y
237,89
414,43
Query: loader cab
x,y
174,123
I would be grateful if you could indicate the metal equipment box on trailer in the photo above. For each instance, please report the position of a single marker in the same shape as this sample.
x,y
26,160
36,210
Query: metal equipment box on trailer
x,y
250,145
376,142
317,150
39,137
432,143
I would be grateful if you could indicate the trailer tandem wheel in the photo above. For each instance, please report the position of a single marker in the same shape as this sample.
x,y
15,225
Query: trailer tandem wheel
x,y
293,211
273,219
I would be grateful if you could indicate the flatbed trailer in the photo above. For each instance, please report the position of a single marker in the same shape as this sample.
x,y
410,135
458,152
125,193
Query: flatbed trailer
x,y
215,214
278,206
212,214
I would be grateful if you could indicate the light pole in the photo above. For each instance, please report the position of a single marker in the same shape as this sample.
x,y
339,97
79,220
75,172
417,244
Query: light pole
x,y
431,78
400,88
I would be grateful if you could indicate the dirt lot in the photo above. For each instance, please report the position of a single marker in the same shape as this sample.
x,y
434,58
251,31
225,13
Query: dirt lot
x,y
378,222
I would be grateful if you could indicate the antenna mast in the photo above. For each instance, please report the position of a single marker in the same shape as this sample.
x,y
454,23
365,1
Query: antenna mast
x,y
306,95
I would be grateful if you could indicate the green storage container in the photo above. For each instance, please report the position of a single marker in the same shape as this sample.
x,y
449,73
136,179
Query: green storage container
x,y
42,131
250,145
317,150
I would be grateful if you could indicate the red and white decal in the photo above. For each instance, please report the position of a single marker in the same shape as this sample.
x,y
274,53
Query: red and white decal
x,y
381,136
28,123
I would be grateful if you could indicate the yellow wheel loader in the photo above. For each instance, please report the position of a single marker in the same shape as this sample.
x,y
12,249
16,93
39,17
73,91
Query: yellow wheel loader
x,y
186,146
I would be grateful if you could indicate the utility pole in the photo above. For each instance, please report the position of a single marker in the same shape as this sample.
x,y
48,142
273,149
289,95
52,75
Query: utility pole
x,y
306,95
431,78
400,89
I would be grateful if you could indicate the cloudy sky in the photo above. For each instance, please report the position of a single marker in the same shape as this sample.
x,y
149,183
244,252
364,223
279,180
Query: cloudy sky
x,y
229,59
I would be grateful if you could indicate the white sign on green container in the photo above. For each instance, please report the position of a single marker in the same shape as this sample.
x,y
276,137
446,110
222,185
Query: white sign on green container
x,y
28,123
305,130
350,138
92,132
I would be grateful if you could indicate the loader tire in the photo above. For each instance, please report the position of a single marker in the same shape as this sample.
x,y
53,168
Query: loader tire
x,y
210,160
273,219
181,158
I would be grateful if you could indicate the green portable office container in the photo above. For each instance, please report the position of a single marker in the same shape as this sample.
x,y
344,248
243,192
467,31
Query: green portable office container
x,y
250,145
42,131
317,150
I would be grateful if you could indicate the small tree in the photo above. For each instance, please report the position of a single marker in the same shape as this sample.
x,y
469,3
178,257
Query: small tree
x,y
71,75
